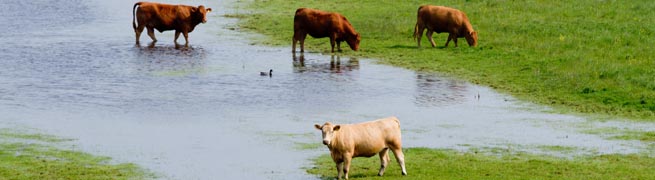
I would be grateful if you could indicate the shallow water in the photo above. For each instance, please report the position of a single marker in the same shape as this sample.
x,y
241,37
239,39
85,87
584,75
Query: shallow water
x,y
70,68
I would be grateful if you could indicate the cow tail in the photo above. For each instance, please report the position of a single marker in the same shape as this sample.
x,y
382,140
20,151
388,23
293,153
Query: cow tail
x,y
418,19
416,30
134,14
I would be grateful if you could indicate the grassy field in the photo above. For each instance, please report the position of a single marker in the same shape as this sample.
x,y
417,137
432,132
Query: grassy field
x,y
32,156
422,163
587,56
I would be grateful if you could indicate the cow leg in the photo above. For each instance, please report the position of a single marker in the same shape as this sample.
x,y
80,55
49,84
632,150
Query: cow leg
x,y
420,35
293,42
151,33
452,36
429,35
138,31
302,41
339,170
333,39
177,34
346,164
296,37
186,38
384,160
400,157
339,46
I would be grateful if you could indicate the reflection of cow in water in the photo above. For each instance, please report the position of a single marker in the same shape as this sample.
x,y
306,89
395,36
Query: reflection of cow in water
x,y
432,90
301,65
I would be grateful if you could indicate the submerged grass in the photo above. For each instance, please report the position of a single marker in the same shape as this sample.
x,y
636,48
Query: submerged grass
x,y
20,160
588,56
424,163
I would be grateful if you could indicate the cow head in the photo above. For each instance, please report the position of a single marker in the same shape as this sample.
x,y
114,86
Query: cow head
x,y
328,131
472,38
200,13
353,41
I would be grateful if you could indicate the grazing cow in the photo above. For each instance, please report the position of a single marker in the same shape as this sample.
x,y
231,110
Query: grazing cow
x,y
163,17
347,141
321,24
444,19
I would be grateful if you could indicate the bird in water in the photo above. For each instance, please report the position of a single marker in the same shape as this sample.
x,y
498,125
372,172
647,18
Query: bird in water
x,y
269,73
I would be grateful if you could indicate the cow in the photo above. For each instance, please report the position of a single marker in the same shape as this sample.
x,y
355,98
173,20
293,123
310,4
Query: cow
x,y
347,141
444,19
163,17
320,24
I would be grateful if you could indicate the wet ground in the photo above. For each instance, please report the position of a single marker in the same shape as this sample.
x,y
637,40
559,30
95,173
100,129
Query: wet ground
x,y
71,69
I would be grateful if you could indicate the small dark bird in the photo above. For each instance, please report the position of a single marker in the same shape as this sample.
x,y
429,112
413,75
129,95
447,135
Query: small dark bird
x,y
269,73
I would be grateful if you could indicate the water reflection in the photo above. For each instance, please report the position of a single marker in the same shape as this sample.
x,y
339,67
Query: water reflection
x,y
432,90
302,65
169,59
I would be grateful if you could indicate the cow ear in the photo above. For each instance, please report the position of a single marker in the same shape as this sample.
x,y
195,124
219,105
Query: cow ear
x,y
194,9
336,128
318,127
209,9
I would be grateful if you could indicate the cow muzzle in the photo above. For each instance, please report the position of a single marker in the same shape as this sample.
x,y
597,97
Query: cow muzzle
x,y
326,142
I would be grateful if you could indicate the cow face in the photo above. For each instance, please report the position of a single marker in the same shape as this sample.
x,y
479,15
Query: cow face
x,y
201,13
328,131
353,42
472,38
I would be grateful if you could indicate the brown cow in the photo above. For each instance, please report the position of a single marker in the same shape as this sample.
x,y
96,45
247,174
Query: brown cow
x,y
444,19
320,24
163,17
347,141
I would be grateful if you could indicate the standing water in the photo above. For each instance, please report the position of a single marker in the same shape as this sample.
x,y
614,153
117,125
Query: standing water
x,y
70,68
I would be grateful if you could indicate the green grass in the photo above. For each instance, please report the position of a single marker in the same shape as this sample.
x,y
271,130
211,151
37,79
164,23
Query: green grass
x,y
423,163
19,160
587,56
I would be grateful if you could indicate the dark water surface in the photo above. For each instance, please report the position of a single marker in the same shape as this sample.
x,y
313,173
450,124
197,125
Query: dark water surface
x,y
70,68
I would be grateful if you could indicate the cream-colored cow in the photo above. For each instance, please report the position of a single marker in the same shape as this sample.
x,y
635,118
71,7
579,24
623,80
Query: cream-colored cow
x,y
347,141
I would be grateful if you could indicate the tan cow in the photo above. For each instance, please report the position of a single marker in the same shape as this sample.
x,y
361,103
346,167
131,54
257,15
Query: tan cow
x,y
444,19
347,141
163,17
320,24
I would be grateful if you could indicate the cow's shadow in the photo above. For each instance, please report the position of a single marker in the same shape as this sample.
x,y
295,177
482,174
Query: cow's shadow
x,y
400,46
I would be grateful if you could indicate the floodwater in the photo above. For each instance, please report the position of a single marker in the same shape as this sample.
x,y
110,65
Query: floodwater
x,y
71,69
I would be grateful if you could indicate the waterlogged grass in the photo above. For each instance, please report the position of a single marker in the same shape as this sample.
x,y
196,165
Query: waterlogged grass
x,y
308,146
637,135
588,56
13,134
423,163
38,161
615,133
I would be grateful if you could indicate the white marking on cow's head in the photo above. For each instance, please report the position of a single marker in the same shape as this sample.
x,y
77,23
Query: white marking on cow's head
x,y
327,130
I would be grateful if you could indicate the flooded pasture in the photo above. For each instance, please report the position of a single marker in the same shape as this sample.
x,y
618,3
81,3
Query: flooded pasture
x,y
71,69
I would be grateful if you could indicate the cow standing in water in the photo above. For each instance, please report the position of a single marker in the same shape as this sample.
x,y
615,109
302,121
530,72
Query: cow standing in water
x,y
320,24
444,19
347,141
163,17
